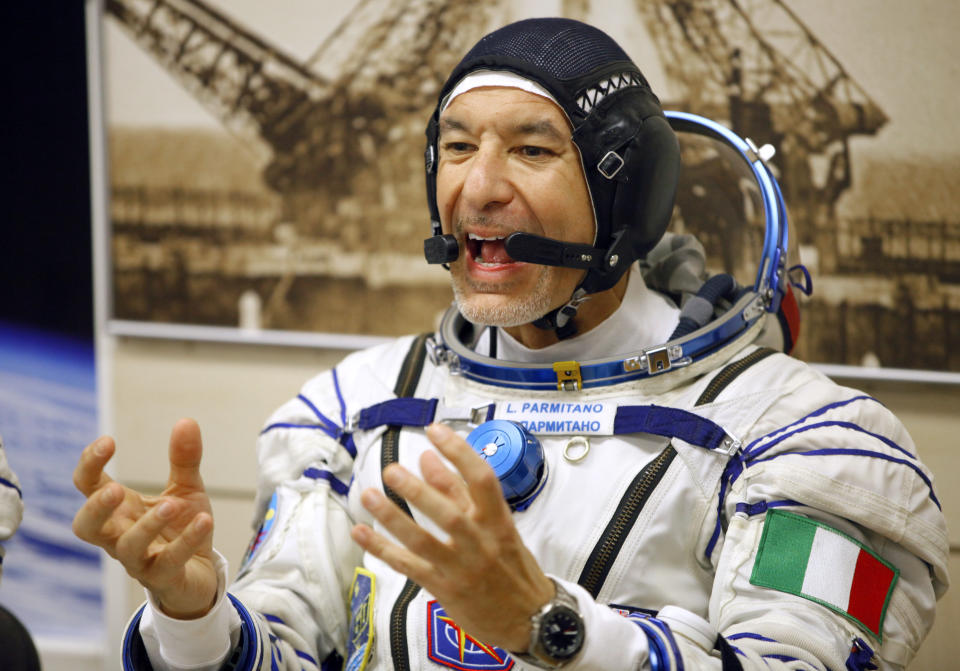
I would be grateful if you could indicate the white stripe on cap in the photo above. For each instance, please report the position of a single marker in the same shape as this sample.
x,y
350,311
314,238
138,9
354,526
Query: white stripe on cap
x,y
479,78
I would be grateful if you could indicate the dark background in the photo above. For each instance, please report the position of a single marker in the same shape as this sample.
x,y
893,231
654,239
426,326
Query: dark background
x,y
46,259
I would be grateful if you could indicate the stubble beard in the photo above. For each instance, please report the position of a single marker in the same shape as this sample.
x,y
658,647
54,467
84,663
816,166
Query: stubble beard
x,y
505,311
478,301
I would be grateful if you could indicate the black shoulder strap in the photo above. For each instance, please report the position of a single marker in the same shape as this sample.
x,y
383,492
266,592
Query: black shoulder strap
x,y
406,385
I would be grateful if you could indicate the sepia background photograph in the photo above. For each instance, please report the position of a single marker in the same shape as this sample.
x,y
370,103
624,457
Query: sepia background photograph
x,y
266,162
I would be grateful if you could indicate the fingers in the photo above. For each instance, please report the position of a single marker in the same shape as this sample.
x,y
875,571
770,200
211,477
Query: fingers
x,y
457,505
197,536
149,554
132,546
398,558
482,482
405,529
186,450
453,519
88,476
90,522
441,478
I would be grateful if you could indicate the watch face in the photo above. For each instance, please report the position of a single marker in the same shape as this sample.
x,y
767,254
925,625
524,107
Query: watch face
x,y
561,633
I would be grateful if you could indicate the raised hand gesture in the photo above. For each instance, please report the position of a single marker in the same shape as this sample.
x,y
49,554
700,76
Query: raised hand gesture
x,y
165,542
483,575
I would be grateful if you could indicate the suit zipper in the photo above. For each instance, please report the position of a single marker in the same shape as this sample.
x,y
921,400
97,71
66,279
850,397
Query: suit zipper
x,y
390,453
611,541
398,626
406,384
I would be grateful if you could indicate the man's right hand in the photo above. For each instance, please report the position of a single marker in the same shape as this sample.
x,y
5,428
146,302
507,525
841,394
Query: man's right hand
x,y
165,542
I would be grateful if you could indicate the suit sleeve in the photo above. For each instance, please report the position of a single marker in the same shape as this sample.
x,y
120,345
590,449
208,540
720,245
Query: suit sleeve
x,y
835,548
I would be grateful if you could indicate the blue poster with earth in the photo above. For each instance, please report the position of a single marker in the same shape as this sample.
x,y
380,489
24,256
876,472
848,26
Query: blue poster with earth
x,y
51,580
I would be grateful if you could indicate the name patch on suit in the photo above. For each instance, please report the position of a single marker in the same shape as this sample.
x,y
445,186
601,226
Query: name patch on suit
x,y
454,648
560,417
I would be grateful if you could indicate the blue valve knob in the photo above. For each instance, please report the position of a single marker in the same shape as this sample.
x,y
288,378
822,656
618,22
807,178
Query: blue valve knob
x,y
515,455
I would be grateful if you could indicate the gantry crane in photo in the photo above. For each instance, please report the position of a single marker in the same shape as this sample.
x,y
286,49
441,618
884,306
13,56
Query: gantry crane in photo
x,y
336,128
333,122
341,133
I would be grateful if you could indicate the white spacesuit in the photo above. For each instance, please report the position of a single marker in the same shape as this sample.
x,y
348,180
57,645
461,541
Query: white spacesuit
x,y
707,501
629,522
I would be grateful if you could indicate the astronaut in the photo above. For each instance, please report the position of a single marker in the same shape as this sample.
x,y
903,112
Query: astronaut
x,y
602,459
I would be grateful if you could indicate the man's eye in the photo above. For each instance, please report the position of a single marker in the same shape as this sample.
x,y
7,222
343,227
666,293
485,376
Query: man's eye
x,y
531,151
457,147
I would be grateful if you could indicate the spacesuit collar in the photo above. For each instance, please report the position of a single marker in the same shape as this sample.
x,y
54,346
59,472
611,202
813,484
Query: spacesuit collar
x,y
454,347
654,369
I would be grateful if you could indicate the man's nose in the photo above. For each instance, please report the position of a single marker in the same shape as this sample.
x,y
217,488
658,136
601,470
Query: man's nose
x,y
487,183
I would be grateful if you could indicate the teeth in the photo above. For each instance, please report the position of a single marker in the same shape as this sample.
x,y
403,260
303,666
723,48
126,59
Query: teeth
x,y
474,236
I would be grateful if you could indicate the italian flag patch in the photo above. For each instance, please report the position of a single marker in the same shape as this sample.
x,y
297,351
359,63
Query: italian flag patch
x,y
804,557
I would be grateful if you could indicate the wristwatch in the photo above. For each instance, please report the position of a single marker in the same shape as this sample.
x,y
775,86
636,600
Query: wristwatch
x,y
556,632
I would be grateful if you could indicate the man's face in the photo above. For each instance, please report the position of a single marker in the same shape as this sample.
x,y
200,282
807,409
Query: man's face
x,y
507,164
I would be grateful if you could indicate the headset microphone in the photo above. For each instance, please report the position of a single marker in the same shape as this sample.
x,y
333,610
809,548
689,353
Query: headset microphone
x,y
441,248
524,247
548,252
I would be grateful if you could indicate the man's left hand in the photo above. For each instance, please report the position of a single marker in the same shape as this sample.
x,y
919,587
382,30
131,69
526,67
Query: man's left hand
x,y
483,575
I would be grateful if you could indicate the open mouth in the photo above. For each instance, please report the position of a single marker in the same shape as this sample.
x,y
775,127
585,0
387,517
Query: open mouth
x,y
488,251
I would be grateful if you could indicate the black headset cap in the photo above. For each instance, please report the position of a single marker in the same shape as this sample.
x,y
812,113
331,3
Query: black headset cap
x,y
629,152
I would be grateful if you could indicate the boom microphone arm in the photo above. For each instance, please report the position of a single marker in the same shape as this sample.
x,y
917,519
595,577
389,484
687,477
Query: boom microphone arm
x,y
524,247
